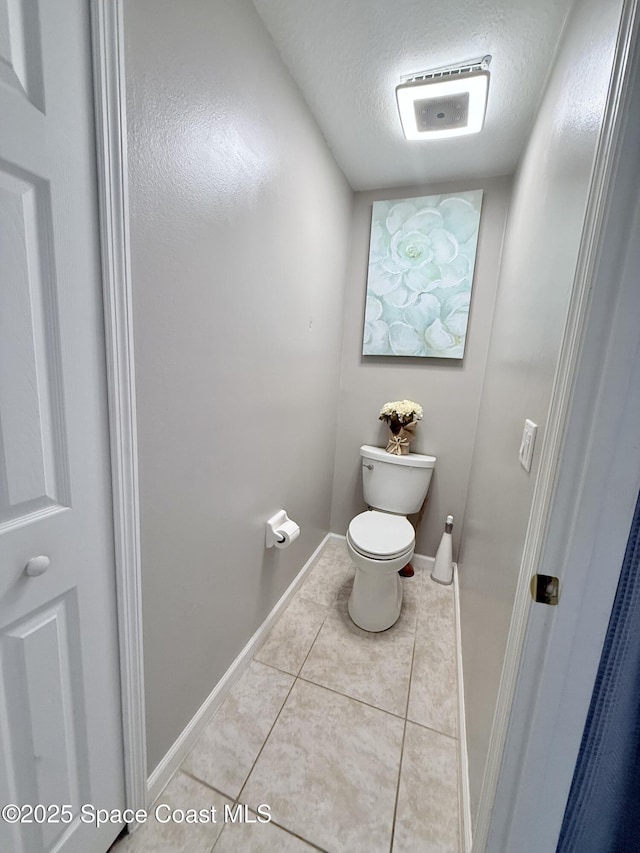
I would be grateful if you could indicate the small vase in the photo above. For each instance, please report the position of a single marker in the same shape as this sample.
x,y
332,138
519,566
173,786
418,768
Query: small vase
x,y
398,443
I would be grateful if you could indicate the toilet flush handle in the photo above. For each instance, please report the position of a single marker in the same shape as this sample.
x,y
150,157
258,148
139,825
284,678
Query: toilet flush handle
x,y
370,467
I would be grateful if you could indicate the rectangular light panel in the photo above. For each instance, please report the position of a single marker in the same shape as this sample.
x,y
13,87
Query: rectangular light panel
x,y
470,89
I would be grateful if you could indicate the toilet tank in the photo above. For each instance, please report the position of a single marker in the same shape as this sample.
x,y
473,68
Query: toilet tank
x,y
395,483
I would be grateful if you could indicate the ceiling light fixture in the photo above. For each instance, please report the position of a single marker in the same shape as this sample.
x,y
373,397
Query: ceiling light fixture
x,y
445,102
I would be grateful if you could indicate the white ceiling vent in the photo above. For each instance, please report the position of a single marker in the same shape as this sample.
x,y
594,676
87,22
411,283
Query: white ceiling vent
x,y
444,102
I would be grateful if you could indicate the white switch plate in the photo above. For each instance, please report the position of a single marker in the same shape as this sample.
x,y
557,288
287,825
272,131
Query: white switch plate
x,y
528,440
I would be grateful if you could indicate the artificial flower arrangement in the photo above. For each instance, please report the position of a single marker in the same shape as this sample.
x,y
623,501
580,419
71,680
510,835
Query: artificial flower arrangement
x,y
402,418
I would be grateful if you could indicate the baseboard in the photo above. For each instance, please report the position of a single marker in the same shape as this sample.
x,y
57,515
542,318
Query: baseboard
x,y
463,767
160,777
425,564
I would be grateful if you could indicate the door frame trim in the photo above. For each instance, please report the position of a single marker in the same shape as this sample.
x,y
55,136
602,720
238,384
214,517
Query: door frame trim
x,y
111,137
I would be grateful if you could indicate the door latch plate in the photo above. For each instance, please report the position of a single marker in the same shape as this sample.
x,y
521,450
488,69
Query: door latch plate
x,y
545,589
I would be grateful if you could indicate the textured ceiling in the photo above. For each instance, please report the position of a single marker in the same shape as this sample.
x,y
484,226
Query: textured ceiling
x,y
347,57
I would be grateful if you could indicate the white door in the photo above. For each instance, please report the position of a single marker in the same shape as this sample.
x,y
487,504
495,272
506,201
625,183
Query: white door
x,y
60,721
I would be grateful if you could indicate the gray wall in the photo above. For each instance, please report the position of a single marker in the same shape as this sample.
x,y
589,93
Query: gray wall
x,y
448,390
539,262
239,227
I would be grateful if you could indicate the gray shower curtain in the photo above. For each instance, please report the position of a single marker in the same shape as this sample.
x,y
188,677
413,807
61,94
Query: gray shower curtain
x,y
603,809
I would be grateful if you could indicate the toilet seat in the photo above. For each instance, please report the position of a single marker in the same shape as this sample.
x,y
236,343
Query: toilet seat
x,y
381,535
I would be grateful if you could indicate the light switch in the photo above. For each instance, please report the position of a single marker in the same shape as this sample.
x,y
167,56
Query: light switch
x,y
528,440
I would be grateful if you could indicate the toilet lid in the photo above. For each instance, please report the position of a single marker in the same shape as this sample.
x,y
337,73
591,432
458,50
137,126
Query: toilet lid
x,y
379,534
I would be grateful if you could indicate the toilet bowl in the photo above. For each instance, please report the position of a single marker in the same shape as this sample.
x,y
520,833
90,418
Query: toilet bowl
x,y
381,540
379,544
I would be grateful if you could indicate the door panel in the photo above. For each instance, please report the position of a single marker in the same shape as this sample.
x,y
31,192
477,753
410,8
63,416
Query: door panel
x,y
40,658
31,431
20,49
60,714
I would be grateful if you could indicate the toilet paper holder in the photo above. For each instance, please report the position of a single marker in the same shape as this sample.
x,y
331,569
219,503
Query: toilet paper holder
x,y
280,530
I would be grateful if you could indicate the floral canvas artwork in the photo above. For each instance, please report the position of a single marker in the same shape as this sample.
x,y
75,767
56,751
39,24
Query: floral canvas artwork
x,y
421,262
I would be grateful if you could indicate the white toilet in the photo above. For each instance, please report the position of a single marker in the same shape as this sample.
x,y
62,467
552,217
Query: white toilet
x,y
380,541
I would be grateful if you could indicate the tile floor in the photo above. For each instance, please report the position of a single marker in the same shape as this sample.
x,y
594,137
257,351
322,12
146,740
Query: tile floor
x,y
350,738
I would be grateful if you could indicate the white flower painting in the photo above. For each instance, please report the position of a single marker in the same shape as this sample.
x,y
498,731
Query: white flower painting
x,y
421,261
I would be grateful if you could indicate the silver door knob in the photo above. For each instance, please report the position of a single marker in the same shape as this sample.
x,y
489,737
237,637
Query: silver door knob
x,y
37,566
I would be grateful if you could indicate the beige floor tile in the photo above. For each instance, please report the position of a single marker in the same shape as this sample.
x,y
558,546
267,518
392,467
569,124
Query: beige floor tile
x,y
433,699
173,837
329,768
259,838
226,750
372,667
427,812
325,579
337,551
329,771
291,637
434,591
